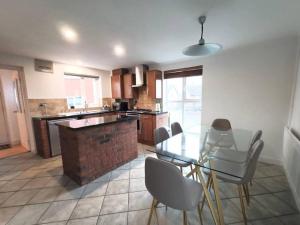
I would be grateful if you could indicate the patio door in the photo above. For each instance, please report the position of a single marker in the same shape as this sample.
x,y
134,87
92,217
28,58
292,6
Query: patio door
x,y
183,100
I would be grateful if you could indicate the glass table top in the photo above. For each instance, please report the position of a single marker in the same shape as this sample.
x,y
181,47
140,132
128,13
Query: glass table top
x,y
222,151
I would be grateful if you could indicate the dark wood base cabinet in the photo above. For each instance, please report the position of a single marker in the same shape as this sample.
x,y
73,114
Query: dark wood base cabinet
x,y
148,123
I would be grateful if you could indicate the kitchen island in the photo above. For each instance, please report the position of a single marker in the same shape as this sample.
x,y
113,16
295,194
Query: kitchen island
x,y
94,146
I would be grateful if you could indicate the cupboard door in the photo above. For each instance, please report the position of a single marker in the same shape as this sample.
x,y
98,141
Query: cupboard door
x,y
127,86
154,84
147,129
116,86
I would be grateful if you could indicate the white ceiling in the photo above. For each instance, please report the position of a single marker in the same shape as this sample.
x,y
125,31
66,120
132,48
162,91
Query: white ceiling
x,y
152,31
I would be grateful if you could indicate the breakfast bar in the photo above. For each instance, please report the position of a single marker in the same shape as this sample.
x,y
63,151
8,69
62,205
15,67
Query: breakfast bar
x,y
94,146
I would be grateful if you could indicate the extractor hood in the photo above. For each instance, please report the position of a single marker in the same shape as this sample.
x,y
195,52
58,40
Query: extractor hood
x,y
140,75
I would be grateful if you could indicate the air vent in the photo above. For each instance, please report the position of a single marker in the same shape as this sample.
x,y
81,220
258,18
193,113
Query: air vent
x,y
45,66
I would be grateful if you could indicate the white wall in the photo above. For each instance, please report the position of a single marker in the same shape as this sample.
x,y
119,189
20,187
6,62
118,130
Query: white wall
x,y
251,86
46,86
291,142
50,85
7,80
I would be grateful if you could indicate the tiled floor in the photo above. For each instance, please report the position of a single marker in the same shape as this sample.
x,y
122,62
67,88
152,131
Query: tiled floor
x,y
34,191
12,151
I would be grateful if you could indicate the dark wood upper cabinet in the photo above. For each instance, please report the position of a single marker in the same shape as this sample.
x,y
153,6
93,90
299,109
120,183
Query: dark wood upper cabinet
x,y
154,84
117,87
128,81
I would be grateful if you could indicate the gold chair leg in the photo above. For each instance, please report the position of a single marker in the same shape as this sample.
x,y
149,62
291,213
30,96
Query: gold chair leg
x,y
199,212
246,192
154,202
192,173
242,204
208,184
185,220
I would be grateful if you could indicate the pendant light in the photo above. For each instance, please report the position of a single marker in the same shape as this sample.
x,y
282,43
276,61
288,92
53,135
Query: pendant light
x,y
202,48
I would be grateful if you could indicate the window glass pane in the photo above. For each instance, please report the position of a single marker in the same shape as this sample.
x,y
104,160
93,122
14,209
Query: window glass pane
x,y
192,116
175,110
174,89
81,90
193,87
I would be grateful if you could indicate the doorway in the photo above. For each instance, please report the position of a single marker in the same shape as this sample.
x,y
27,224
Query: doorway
x,y
13,128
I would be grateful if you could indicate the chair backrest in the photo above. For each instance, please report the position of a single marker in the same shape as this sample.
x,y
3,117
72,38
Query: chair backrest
x,y
255,138
167,185
256,150
160,134
176,128
221,124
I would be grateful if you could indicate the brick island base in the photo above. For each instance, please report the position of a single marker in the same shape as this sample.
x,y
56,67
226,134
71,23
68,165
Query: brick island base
x,y
89,152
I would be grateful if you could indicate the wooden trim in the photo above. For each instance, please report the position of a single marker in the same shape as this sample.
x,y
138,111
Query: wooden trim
x,y
184,72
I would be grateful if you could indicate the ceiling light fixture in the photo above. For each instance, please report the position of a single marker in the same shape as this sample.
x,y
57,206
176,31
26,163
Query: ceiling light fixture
x,y
202,48
119,50
69,34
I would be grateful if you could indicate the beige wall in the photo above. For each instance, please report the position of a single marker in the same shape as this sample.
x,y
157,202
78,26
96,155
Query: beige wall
x,y
251,86
50,86
7,80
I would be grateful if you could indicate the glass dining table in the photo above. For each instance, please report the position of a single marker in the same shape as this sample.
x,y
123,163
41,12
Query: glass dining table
x,y
202,150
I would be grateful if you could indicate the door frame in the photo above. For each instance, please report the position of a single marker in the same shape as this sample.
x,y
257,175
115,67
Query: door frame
x,y
24,96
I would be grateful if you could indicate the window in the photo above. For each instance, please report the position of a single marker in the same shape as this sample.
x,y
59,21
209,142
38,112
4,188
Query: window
x,y
183,99
82,91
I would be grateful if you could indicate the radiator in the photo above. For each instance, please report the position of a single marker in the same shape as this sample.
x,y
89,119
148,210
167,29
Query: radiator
x,y
291,162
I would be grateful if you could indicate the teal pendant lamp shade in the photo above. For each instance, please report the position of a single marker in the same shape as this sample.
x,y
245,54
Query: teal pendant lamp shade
x,y
202,48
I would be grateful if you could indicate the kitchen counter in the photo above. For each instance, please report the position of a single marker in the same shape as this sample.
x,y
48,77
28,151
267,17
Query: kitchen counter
x,y
82,114
92,147
95,121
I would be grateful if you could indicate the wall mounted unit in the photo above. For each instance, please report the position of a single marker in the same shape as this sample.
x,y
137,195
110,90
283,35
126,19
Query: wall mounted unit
x,y
45,66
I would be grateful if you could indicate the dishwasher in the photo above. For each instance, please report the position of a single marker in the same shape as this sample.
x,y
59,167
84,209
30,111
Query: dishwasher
x,y
54,135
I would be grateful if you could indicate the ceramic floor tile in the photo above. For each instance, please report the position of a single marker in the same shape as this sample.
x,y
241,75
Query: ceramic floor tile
x,y
273,204
137,164
56,223
13,185
257,189
116,219
232,212
95,189
290,219
103,178
87,207
9,175
29,214
70,192
4,196
59,211
125,166
84,221
140,200
119,175
169,217
137,185
137,173
141,217
287,197
20,198
57,181
274,184
270,221
114,204
46,195
7,213
36,183
117,187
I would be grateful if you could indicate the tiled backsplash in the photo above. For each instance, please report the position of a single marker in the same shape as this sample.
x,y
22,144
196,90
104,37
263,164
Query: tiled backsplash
x,y
52,106
144,101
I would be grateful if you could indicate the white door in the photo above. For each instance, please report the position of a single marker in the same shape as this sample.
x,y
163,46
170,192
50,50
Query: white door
x,y
4,139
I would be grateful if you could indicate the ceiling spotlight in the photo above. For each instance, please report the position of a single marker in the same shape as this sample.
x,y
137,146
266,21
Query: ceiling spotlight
x,y
119,50
69,34
202,48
